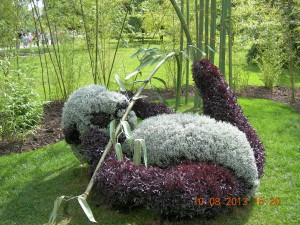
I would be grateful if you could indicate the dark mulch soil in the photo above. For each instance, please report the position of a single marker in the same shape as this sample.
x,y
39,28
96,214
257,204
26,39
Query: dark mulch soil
x,y
50,132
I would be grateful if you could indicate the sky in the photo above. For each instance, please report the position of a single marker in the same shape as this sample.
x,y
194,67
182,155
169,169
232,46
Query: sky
x,y
38,3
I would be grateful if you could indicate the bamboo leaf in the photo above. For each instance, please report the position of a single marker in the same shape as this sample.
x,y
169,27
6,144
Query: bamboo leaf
x,y
140,51
210,48
131,74
157,59
185,54
120,83
57,203
144,148
140,97
137,152
86,208
119,153
161,80
199,50
137,81
127,129
144,62
112,131
152,50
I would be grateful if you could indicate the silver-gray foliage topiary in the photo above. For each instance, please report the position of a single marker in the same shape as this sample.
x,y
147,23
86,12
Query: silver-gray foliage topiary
x,y
197,138
90,103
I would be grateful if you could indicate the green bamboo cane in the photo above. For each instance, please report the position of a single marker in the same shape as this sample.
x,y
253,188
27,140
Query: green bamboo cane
x,y
206,26
17,40
230,39
179,61
201,24
88,44
182,21
55,52
223,36
197,27
129,108
117,47
50,55
213,16
40,57
187,62
96,36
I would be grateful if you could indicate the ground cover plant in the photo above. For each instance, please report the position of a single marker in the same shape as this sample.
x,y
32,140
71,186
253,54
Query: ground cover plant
x,y
26,177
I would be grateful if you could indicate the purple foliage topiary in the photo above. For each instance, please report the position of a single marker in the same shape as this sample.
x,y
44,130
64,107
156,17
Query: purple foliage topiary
x,y
145,109
170,191
220,103
93,145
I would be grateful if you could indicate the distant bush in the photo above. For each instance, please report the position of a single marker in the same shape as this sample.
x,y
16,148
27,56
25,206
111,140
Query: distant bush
x,y
20,108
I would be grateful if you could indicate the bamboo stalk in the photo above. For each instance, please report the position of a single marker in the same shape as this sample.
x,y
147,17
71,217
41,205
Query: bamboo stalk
x,y
40,57
187,62
50,55
88,44
206,26
201,24
197,27
230,40
97,36
213,17
223,36
178,86
117,47
182,21
55,52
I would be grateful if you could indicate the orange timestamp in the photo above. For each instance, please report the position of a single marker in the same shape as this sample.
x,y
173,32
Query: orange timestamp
x,y
216,201
236,201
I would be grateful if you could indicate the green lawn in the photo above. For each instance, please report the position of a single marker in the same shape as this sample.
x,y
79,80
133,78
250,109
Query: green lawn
x,y
30,182
77,71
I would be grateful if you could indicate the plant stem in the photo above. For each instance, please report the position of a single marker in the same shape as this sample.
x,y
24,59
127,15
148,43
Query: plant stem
x,y
97,36
116,50
213,17
223,36
206,26
230,40
182,21
109,145
187,62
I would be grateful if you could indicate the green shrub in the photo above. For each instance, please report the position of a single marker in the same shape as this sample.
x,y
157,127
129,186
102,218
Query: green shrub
x,y
20,109
197,138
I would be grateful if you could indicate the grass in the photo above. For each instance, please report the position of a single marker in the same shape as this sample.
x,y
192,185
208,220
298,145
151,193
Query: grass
x,y
78,72
30,182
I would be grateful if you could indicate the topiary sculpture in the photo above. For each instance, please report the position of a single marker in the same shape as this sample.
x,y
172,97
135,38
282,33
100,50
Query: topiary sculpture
x,y
191,156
